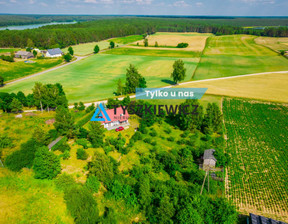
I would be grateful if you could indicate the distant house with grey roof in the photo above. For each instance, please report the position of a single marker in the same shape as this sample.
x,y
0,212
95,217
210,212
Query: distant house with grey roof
x,y
24,54
209,161
258,219
54,53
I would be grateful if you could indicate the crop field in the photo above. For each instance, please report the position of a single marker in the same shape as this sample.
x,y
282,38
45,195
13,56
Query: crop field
x,y
257,147
95,77
153,52
270,87
87,48
196,41
15,70
127,39
237,55
275,43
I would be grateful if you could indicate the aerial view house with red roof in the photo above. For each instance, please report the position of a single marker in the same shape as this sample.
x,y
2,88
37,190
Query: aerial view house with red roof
x,y
118,119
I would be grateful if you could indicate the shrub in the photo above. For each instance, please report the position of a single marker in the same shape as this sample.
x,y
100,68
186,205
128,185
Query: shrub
x,y
147,140
64,181
83,142
153,133
137,136
6,142
83,133
171,139
181,142
46,164
102,168
66,155
81,154
182,45
23,157
93,184
62,145
154,143
81,205
168,130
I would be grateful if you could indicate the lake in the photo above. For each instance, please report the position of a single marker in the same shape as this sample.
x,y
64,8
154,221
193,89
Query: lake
x,y
33,26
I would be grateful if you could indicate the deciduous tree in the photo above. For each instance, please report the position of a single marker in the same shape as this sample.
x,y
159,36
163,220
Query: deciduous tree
x,y
179,72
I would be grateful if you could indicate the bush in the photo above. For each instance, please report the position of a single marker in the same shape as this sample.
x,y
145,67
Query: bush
x,y
153,133
64,181
137,136
168,130
147,140
154,143
62,145
102,168
6,142
46,164
23,157
93,184
182,45
181,142
66,155
7,58
83,142
83,133
81,154
81,205
171,139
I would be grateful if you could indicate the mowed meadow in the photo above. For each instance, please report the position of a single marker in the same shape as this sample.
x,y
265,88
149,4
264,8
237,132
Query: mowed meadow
x,y
95,77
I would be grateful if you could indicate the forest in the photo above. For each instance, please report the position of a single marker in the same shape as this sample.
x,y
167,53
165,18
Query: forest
x,y
82,32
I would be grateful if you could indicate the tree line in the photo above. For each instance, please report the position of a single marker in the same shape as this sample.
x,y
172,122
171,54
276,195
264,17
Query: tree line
x,y
70,34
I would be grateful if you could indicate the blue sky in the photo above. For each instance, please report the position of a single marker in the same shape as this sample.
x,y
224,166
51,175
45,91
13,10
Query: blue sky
x,y
148,7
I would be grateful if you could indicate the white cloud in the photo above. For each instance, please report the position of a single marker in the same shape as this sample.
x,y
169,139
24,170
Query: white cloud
x,y
199,4
31,1
43,4
259,1
13,1
138,2
180,4
90,1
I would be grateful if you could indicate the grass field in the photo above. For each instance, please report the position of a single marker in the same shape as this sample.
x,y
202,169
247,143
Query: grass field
x,y
15,70
153,52
96,77
16,128
270,87
87,48
196,41
27,200
7,50
127,39
257,146
275,43
237,55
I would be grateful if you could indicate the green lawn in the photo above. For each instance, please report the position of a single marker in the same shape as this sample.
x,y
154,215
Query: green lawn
x,y
87,48
156,52
95,77
237,55
126,40
15,70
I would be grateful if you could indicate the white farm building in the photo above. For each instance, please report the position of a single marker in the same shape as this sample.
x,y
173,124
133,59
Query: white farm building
x,y
54,53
